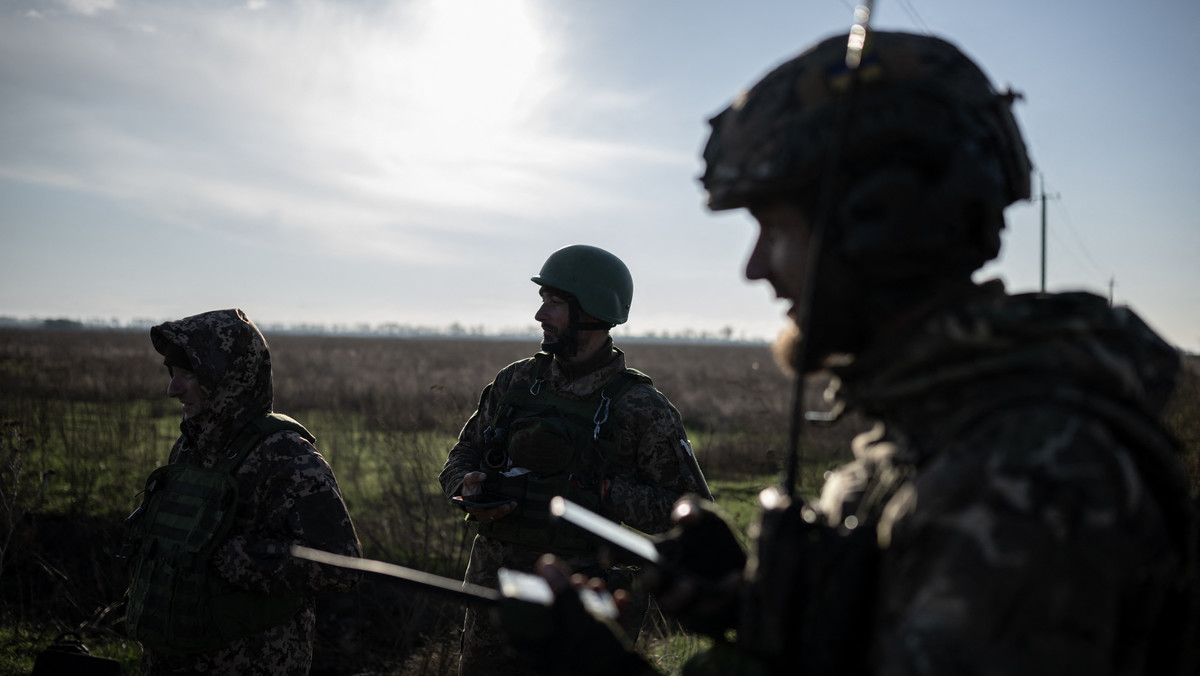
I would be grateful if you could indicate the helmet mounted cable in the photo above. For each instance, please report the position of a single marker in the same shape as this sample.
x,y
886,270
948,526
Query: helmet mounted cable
x,y
855,47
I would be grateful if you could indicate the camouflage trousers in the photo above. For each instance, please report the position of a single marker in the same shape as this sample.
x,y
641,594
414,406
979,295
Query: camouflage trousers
x,y
485,650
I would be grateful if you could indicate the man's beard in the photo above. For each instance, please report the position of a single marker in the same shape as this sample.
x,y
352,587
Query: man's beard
x,y
829,343
787,349
565,344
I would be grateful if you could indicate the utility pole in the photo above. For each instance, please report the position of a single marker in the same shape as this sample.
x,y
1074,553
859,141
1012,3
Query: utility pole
x,y
1043,197
1112,281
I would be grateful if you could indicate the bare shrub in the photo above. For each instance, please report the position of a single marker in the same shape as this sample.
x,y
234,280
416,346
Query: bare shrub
x,y
1182,417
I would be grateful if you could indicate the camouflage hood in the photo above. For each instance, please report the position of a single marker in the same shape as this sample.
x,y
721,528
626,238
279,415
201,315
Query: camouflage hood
x,y
992,347
233,365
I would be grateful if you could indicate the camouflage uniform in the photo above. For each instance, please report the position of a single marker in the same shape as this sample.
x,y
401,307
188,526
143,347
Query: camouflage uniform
x,y
1018,501
288,495
650,472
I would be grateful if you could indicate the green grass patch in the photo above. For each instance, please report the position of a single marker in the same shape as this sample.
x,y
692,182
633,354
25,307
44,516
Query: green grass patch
x,y
22,642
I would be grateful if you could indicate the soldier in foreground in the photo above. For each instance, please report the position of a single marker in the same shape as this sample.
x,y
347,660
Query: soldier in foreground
x,y
572,420
1018,509
214,588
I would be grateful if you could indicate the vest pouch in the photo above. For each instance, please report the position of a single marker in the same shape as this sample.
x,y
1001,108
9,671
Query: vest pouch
x,y
809,591
531,524
189,511
542,443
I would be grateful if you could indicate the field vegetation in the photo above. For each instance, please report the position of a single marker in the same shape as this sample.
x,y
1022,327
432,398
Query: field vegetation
x,y
85,419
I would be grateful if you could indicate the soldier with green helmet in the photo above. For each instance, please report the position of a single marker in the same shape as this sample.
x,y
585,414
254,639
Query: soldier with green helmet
x,y
573,420
1018,509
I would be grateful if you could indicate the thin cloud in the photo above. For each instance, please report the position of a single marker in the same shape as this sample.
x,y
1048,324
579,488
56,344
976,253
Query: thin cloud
x,y
88,7
312,118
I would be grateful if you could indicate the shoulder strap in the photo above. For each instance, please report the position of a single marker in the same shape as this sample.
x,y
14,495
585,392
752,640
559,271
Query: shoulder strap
x,y
621,383
637,376
258,429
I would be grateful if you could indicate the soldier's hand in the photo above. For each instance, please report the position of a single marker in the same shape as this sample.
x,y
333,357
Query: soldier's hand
x,y
472,484
700,578
565,637
472,487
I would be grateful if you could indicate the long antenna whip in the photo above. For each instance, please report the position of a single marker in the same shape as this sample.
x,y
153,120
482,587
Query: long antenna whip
x,y
825,206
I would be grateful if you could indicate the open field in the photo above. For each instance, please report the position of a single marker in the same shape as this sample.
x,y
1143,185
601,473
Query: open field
x,y
85,419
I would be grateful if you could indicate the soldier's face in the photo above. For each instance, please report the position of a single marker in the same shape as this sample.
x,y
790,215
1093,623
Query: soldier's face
x,y
780,254
554,315
185,387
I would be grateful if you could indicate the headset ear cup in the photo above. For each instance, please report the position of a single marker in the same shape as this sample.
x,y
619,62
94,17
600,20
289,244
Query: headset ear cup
x,y
904,221
877,213
966,204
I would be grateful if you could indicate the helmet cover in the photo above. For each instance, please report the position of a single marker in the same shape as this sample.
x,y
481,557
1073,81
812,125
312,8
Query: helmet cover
x,y
929,154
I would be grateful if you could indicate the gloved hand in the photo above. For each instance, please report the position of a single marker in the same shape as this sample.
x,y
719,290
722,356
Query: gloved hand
x,y
702,563
565,637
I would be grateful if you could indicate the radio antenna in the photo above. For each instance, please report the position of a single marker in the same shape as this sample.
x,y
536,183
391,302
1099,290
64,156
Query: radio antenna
x,y
855,46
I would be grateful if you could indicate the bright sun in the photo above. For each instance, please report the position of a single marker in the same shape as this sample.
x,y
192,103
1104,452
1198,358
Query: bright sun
x,y
441,97
478,60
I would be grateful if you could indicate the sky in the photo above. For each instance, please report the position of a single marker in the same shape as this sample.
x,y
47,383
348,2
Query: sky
x,y
413,162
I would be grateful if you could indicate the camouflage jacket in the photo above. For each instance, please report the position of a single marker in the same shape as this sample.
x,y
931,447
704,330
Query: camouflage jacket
x,y
1026,528
287,494
651,469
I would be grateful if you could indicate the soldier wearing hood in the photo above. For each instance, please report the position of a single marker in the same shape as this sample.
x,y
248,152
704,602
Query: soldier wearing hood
x,y
1018,509
214,587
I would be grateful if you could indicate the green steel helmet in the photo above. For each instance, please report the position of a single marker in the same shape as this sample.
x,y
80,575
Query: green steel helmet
x,y
928,156
598,280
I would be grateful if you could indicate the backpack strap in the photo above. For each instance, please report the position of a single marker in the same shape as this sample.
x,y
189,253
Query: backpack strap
x,y
255,431
629,377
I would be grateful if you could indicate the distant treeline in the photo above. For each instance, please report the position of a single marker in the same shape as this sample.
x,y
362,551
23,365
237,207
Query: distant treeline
x,y
727,334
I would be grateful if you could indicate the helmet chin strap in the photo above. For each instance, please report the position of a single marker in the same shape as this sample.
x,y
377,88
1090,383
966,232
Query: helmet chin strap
x,y
567,345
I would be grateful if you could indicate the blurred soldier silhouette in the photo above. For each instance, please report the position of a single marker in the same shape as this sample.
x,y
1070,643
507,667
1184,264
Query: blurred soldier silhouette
x,y
1018,509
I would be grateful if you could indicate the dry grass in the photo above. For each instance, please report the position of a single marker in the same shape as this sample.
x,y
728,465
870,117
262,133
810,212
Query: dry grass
x,y
86,411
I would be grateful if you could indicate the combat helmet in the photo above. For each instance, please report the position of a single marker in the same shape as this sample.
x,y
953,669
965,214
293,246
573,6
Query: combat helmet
x,y
926,156
597,280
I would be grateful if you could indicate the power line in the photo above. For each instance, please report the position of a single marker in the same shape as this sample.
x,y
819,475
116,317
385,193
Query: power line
x,y
1077,239
1073,247
913,16
1066,216
908,8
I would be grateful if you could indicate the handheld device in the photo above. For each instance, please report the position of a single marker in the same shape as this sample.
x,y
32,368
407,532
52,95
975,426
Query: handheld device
x,y
482,501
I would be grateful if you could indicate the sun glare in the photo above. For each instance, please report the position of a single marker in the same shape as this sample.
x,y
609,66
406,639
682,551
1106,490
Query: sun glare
x,y
476,61
442,99
470,75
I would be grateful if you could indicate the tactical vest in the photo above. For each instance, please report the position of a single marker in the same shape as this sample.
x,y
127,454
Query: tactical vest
x,y
177,603
564,443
